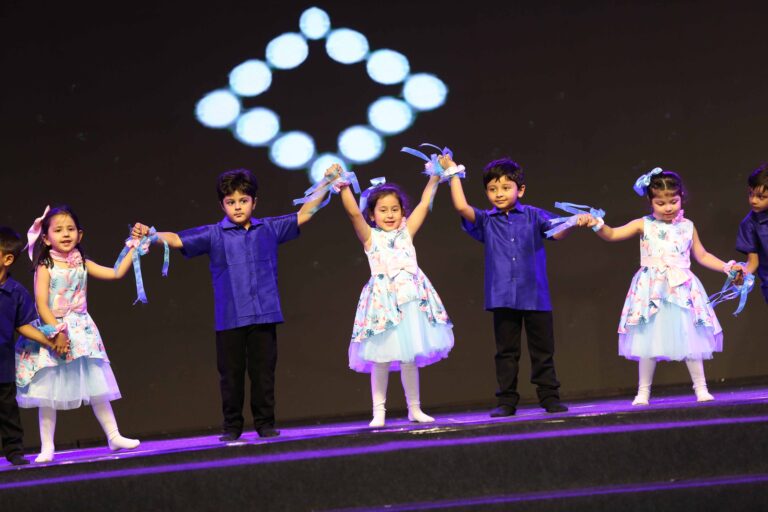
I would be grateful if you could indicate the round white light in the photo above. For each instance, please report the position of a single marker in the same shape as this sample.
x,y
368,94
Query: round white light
x,y
218,109
287,51
390,115
323,162
424,91
292,150
250,78
346,46
314,23
257,127
360,144
387,67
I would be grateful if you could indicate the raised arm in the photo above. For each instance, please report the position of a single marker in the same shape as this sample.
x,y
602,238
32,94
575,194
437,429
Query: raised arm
x,y
704,258
460,201
624,232
361,227
309,208
172,239
419,213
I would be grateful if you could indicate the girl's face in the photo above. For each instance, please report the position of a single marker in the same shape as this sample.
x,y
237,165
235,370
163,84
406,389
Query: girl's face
x,y
666,205
239,208
503,193
62,234
387,214
758,199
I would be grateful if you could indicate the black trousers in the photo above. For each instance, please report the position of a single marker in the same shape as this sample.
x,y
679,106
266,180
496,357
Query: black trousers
x,y
507,327
252,348
10,421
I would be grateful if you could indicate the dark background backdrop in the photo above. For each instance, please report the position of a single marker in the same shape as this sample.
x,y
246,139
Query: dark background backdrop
x,y
98,112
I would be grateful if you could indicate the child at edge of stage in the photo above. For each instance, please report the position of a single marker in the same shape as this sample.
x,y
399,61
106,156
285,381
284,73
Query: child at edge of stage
x,y
48,379
17,312
666,314
752,239
400,323
516,286
243,254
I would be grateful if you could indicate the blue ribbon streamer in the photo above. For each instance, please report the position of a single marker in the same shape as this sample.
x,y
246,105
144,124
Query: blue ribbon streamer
x,y
731,290
375,182
141,250
643,181
563,223
435,169
348,176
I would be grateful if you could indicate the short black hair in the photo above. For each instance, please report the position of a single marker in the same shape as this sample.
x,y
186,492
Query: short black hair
x,y
759,178
237,180
503,167
10,242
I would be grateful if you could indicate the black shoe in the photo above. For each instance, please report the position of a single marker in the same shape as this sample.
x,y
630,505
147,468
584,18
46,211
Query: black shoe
x,y
554,405
267,432
503,410
227,437
17,459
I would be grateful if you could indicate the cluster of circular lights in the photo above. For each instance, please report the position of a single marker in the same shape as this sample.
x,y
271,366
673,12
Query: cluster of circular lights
x,y
260,126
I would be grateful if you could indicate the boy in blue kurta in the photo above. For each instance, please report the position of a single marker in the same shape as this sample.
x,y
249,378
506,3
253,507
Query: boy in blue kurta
x,y
516,287
17,311
243,264
752,239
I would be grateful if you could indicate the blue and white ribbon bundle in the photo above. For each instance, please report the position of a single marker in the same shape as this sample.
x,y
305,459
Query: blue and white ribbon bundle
x,y
343,177
641,184
731,290
433,167
141,246
375,183
563,223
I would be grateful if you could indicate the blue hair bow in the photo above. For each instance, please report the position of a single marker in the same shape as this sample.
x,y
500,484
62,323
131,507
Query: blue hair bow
x,y
563,223
731,290
375,183
643,181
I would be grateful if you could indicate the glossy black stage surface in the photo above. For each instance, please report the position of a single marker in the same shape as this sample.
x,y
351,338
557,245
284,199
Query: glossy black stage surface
x,y
604,454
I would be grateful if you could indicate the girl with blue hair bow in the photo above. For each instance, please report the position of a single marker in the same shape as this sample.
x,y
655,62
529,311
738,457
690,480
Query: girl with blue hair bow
x,y
666,315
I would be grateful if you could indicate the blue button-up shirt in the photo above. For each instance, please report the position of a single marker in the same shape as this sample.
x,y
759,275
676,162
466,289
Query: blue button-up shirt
x,y
243,267
16,309
753,237
515,261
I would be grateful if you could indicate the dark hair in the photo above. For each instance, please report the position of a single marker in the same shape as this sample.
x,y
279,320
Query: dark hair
x,y
666,181
237,180
42,252
759,178
385,190
504,167
10,242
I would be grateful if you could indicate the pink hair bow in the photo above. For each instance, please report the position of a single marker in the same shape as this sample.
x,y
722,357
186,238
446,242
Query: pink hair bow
x,y
34,232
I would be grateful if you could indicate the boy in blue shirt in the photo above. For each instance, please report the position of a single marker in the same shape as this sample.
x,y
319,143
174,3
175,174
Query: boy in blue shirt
x,y
752,239
17,311
516,287
243,263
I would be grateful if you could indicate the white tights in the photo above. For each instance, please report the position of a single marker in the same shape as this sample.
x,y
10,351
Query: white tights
x,y
409,375
646,368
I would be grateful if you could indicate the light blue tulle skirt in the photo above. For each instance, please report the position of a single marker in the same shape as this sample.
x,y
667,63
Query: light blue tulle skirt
x,y
68,386
413,340
672,334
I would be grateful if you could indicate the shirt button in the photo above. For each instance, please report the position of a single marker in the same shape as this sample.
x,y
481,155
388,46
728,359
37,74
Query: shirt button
x,y
512,239
514,259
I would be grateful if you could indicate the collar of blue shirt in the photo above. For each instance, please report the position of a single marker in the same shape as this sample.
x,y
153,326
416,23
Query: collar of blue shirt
x,y
495,211
228,224
761,217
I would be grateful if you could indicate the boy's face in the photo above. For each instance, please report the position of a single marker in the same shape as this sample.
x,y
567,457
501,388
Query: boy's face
x,y
758,199
503,193
239,207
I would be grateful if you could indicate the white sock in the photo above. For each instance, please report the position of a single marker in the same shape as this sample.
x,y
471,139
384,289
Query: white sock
x,y
696,369
409,374
645,369
379,382
103,412
47,419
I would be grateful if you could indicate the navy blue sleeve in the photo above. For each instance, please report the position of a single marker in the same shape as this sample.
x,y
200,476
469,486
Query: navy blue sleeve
x,y
542,220
746,240
196,241
25,312
285,227
476,229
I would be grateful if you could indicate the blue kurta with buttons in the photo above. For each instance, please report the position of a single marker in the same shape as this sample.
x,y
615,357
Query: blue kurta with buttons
x,y
515,261
243,265
753,237
16,309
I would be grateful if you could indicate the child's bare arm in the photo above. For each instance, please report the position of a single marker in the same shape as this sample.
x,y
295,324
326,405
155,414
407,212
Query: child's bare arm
x,y
172,239
419,213
625,232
